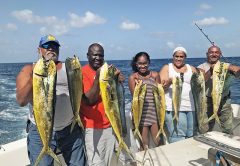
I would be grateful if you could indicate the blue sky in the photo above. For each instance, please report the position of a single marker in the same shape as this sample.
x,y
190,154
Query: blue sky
x,y
123,27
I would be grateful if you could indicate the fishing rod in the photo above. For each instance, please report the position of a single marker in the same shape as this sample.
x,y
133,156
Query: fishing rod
x,y
205,35
212,43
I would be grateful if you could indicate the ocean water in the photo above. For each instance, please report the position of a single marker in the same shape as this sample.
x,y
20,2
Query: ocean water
x,y
13,117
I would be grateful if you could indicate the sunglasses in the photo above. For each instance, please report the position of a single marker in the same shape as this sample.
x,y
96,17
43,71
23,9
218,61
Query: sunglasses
x,y
49,45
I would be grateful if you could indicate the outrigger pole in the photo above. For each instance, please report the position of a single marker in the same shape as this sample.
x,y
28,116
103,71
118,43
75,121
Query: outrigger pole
x,y
225,59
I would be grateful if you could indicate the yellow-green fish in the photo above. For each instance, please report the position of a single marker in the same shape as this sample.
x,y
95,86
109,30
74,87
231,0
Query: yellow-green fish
x,y
160,104
218,78
176,95
44,95
109,96
121,104
74,76
200,101
137,106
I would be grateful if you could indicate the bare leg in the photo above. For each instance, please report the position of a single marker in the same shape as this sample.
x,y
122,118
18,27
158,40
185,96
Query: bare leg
x,y
154,130
144,132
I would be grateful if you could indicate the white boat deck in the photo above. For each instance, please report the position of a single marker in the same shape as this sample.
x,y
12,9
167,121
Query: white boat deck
x,y
14,153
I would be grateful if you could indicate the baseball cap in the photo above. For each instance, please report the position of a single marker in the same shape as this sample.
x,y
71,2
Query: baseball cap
x,y
180,49
48,38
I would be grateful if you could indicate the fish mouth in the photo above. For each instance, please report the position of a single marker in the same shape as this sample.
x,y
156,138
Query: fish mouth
x,y
41,75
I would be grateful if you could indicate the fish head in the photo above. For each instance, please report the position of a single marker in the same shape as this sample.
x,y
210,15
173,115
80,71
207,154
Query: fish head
x,y
41,67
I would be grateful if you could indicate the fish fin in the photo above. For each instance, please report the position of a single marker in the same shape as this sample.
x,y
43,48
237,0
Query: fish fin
x,y
158,134
164,134
217,119
53,155
212,117
72,126
137,132
125,147
119,149
175,117
40,156
161,131
79,122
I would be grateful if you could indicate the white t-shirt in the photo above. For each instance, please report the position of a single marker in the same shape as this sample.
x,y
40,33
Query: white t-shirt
x,y
187,103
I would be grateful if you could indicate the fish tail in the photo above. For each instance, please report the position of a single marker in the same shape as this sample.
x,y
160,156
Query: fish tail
x,y
79,122
119,150
212,117
40,156
159,132
175,117
127,150
217,119
137,132
164,134
72,126
53,155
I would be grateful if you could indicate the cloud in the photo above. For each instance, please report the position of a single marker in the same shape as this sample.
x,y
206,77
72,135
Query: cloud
x,y
230,45
89,19
212,21
56,26
171,45
128,25
11,26
162,34
54,29
116,47
203,8
51,23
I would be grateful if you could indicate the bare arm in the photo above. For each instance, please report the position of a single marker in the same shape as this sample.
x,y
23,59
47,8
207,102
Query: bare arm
x,y
91,97
165,80
131,83
235,70
156,77
24,86
194,70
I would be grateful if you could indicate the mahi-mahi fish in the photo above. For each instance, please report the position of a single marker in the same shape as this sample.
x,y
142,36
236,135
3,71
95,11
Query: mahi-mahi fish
x,y
200,101
176,95
137,106
121,104
44,95
218,79
160,104
109,96
74,76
